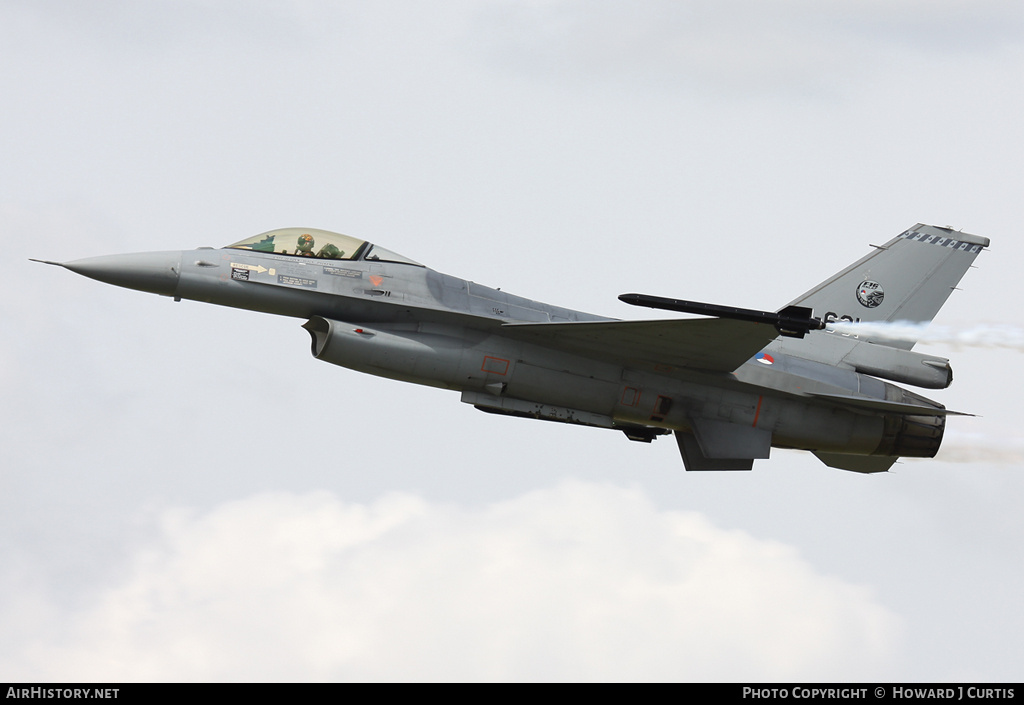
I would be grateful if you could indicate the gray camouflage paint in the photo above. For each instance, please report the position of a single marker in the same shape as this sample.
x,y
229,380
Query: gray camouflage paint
x,y
703,380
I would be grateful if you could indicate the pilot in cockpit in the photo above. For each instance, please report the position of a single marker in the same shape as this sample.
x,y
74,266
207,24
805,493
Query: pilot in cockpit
x,y
304,247
330,251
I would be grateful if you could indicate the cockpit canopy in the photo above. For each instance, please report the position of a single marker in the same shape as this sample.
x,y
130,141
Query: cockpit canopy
x,y
322,244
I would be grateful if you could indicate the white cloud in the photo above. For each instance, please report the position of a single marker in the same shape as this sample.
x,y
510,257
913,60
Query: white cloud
x,y
740,45
582,581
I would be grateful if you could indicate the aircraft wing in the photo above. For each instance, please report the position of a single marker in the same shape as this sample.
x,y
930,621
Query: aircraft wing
x,y
712,344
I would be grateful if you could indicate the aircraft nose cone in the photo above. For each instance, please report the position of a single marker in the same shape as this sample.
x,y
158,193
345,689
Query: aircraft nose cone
x,y
156,272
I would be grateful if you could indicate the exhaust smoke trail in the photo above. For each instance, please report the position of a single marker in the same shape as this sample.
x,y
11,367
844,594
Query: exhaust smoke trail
x,y
978,448
983,335
956,447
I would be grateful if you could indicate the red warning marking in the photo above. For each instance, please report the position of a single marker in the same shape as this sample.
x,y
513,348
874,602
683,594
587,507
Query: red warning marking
x,y
494,365
375,280
758,412
630,396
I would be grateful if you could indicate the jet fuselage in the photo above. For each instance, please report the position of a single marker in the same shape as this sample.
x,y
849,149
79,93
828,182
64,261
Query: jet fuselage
x,y
408,322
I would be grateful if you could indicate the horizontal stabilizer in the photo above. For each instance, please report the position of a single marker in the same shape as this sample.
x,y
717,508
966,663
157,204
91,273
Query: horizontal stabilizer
x,y
888,407
713,344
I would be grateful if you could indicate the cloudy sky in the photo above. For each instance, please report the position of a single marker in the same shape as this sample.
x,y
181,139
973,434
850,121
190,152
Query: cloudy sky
x,y
188,495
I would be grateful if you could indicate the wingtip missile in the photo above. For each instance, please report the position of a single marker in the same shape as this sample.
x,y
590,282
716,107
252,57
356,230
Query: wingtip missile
x,y
792,321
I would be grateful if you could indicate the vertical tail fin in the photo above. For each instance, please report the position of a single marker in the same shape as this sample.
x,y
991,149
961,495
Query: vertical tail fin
x,y
907,279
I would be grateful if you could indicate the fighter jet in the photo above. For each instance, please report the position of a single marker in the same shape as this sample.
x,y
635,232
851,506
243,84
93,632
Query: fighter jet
x,y
729,386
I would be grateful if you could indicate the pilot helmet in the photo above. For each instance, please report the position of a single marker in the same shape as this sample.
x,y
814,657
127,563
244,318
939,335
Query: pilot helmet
x,y
330,251
305,243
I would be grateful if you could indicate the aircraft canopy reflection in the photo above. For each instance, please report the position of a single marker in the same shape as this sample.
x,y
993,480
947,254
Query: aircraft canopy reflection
x,y
321,244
